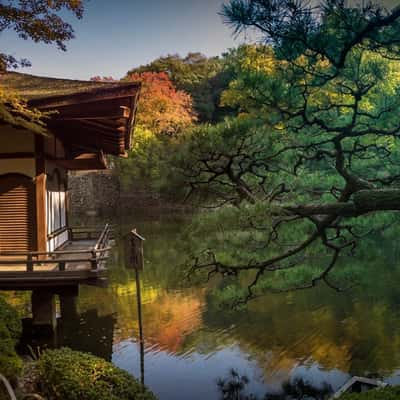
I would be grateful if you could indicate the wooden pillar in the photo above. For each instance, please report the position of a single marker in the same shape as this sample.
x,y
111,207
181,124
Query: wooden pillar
x,y
41,217
68,303
41,212
44,307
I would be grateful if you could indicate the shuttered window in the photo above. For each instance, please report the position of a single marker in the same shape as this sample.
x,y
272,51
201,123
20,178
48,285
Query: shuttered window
x,y
17,213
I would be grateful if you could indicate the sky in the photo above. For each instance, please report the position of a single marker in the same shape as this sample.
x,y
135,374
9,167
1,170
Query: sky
x,y
117,35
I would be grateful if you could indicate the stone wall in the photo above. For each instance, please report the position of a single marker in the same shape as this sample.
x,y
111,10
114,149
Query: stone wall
x,y
100,194
93,193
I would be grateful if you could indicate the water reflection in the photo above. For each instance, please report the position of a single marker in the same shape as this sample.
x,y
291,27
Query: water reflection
x,y
317,337
234,387
86,332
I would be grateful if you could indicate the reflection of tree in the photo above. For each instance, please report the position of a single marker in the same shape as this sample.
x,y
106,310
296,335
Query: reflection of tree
x,y
88,332
168,316
171,318
354,333
299,389
233,387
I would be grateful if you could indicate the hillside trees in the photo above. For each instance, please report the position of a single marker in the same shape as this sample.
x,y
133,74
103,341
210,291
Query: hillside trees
x,y
325,93
201,77
162,109
164,114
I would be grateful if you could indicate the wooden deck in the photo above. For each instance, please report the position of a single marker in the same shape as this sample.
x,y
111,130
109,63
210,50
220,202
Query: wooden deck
x,y
76,262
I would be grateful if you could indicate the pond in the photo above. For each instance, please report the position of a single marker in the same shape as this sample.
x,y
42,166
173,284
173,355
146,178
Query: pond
x,y
313,339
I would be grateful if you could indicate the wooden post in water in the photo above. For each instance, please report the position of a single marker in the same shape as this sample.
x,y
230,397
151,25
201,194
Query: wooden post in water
x,y
136,243
141,339
137,262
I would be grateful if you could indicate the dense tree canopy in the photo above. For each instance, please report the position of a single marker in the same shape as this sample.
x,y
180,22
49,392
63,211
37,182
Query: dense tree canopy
x,y
162,108
201,77
164,115
316,144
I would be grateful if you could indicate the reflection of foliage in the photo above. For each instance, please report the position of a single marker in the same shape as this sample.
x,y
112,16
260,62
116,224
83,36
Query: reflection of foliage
x,y
172,318
299,389
355,332
170,314
305,324
233,388
235,235
289,325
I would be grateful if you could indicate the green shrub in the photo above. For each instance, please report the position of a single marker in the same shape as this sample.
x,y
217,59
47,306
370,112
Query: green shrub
x,y
390,393
10,331
10,319
65,374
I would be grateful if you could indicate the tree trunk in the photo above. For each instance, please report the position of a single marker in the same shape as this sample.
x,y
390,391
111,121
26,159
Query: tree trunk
x,y
363,202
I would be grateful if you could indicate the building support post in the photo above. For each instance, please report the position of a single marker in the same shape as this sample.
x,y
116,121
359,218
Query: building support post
x,y
68,303
41,220
44,308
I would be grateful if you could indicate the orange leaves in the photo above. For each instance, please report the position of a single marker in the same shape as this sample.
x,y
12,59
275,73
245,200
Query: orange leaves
x,y
162,109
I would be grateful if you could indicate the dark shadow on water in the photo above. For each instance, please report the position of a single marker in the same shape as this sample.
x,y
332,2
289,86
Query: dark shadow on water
x,y
233,387
87,332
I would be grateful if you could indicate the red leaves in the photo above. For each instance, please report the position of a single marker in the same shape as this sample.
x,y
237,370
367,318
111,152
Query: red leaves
x,y
162,108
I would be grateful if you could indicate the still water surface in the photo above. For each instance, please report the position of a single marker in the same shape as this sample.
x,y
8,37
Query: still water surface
x,y
320,336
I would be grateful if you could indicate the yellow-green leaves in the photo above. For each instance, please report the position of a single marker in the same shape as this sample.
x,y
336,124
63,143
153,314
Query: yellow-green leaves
x,y
14,111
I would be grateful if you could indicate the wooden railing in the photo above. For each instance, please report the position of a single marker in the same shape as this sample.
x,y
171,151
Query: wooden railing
x,y
88,233
101,247
104,238
94,255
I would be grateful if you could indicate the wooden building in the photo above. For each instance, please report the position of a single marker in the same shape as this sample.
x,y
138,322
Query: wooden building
x,y
87,121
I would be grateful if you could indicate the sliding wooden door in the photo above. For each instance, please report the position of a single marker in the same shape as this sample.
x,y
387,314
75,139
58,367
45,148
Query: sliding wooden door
x,y
17,213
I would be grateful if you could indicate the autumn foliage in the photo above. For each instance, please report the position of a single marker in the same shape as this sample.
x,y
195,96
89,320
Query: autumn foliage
x,y
162,108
